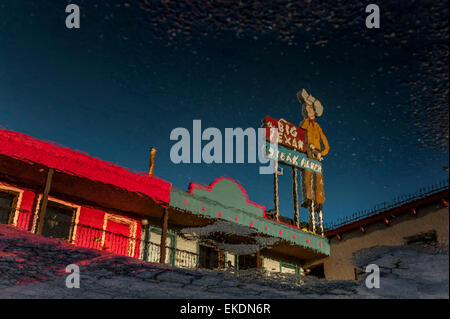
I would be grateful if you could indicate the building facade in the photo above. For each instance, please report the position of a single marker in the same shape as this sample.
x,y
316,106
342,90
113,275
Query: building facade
x,y
56,192
421,218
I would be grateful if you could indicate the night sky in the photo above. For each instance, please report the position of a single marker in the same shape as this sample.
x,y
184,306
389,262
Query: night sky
x,y
136,70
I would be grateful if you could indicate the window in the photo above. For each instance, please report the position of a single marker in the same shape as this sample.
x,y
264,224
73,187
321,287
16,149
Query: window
x,y
247,261
7,203
58,221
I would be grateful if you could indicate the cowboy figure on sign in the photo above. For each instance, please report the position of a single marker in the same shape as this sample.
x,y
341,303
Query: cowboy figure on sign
x,y
317,147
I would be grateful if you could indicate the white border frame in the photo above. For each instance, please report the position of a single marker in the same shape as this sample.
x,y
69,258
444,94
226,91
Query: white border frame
x,y
122,220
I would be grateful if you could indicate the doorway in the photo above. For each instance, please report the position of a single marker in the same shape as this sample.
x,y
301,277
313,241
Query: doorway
x,y
317,271
211,258
247,262
117,237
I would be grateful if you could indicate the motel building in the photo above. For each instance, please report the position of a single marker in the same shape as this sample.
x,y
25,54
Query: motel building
x,y
56,192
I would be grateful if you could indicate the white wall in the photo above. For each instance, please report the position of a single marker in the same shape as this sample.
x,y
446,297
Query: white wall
x,y
154,252
185,244
271,265
182,258
231,257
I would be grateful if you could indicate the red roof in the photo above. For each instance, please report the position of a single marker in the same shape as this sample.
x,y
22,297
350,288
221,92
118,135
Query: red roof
x,y
32,150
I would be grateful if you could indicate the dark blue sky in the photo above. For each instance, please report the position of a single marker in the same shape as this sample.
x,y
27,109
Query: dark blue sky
x,y
117,86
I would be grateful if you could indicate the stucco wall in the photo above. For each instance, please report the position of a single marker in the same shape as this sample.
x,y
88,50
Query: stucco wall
x,y
154,254
187,245
433,217
231,257
271,265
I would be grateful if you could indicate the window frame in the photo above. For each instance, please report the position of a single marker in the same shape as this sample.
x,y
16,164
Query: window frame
x,y
15,205
53,200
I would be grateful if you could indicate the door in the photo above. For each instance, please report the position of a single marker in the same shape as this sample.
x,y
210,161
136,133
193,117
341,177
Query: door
x,y
211,258
117,237
220,260
208,257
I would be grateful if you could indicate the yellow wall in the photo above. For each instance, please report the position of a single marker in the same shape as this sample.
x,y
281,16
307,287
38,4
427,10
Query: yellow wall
x,y
433,217
185,244
231,257
271,265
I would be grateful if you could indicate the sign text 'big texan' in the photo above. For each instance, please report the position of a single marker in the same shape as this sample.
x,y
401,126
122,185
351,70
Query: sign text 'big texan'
x,y
287,145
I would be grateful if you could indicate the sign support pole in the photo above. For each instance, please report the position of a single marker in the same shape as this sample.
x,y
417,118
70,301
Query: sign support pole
x,y
275,190
312,221
320,221
295,196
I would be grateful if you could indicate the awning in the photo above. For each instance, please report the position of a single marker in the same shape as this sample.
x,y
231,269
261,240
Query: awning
x,y
226,200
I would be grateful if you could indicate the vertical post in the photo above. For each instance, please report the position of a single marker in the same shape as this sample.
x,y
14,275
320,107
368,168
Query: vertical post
x,y
146,243
275,190
312,221
162,247
258,259
44,201
152,161
220,260
295,196
320,217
